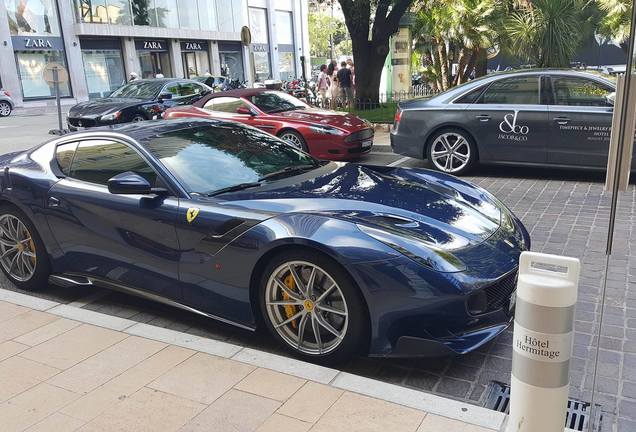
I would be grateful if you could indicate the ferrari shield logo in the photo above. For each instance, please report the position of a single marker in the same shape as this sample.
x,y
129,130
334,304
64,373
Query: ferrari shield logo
x,y
191,214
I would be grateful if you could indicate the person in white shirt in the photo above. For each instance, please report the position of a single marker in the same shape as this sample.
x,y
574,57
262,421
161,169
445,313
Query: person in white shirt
x,y
323,85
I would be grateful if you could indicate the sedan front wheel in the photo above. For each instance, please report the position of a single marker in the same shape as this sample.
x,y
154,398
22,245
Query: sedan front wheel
x,y
451,151
310,304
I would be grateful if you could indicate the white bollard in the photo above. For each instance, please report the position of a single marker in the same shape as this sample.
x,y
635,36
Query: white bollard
x,y
542,342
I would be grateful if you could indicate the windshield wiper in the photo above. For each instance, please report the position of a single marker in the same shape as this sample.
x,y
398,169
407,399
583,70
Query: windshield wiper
x,y
233,188
288,170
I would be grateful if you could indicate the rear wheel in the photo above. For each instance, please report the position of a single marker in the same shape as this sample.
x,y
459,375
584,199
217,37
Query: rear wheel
x,y
138,118
312,307
23,257
452,151
5,108
295,139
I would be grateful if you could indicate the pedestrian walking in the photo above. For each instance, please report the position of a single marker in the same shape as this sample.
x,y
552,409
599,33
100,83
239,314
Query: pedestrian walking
x,y
352,68
344,80
334,88
323,85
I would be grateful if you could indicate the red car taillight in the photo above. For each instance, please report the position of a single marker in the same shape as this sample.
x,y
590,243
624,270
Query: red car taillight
x,y
398,116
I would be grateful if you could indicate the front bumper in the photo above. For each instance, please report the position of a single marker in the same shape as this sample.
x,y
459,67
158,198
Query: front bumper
x,y
78,123
340,148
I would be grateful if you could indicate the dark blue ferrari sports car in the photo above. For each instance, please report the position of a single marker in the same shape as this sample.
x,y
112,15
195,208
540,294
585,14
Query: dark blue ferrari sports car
x,y
234,224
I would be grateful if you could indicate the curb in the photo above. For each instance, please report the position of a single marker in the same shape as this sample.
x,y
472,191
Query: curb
x,y
411,398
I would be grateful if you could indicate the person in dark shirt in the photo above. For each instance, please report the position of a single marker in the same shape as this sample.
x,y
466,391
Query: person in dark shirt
x,y
344,78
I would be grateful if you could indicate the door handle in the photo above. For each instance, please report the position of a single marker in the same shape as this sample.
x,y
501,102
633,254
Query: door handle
x,y
561,120
483,117
53,202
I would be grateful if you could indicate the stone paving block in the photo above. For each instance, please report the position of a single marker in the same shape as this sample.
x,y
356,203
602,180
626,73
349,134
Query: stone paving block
x,y
234,411
270,384
202,378
48,331
32,406
67,349
435,423
353,413
147,410
277,423
24,323
453,387
10,348
57,422
18,374
310,402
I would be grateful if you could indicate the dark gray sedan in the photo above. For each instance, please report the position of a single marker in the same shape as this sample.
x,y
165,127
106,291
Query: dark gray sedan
x,y
535,117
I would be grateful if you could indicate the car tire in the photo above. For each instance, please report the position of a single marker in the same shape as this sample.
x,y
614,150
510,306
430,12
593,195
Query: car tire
x,y
5,109
28,265
338,314
294,139
451,151
137,118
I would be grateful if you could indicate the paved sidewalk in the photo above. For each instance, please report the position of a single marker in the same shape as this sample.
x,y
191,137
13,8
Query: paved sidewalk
x,y
60,374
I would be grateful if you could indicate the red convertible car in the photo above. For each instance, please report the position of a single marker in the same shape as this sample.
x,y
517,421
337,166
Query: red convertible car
x,y
324,134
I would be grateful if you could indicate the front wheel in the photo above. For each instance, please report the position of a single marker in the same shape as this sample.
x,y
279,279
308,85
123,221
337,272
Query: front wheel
x,y
5,109
138,118
295,139
23,257
452,151
312,307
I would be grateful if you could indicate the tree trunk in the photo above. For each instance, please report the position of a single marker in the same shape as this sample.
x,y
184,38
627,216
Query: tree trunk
x,y
370,58
481,63
470,65
443,63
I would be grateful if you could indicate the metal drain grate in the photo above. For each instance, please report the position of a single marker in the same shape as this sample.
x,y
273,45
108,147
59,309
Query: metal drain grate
x,y
577,416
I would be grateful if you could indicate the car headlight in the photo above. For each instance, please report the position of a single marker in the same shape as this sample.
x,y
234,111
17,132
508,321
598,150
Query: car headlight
x,y
327,130
420,252
111,116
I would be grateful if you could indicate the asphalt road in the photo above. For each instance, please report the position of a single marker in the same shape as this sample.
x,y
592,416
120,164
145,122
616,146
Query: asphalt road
x,y
565,212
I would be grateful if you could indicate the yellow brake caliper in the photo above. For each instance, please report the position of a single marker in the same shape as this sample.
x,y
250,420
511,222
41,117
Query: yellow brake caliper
x,y
290,310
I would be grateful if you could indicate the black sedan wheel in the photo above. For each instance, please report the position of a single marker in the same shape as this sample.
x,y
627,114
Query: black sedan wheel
x,y
5,108
22,255
451,151
294,138
312,307
138,118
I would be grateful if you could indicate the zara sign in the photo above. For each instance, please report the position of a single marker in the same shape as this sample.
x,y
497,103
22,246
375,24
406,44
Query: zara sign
x,y
151,45
194,46
21,43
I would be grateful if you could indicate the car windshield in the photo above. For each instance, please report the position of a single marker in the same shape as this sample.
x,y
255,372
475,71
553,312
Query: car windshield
x,y
139,90
273,101
206,159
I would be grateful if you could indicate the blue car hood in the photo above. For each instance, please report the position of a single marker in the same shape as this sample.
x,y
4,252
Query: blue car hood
x,y
440,209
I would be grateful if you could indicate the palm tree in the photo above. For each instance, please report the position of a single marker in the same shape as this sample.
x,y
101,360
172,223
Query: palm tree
x,y
617,18
546,32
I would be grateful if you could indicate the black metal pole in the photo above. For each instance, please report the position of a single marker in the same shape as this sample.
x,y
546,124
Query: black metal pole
x,y
56,79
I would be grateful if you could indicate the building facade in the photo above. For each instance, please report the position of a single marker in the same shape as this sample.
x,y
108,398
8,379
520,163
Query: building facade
x,y
101,42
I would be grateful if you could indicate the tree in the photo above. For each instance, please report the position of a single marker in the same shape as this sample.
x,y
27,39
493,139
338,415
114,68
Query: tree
x,y
546,33
371,23
616,21
321,28
451,32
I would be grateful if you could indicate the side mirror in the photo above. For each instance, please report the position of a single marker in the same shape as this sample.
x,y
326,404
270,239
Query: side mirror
x,y
129,183
244,110
165,96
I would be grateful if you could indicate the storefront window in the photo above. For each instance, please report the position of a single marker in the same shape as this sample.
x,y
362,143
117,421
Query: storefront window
x,y
119,12
142,10
153,63
258,25
188,14
207,15
284,28
164,14
231,61
31,66
32,18
104,70
261,66
287,67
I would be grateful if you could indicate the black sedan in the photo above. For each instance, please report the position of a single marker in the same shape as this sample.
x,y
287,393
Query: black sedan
x,y
136,101
535,117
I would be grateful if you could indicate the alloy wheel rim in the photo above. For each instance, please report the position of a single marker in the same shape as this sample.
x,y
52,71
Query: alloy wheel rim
x,y
5,110
293,140
450,152
17,249
137,119
306,307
